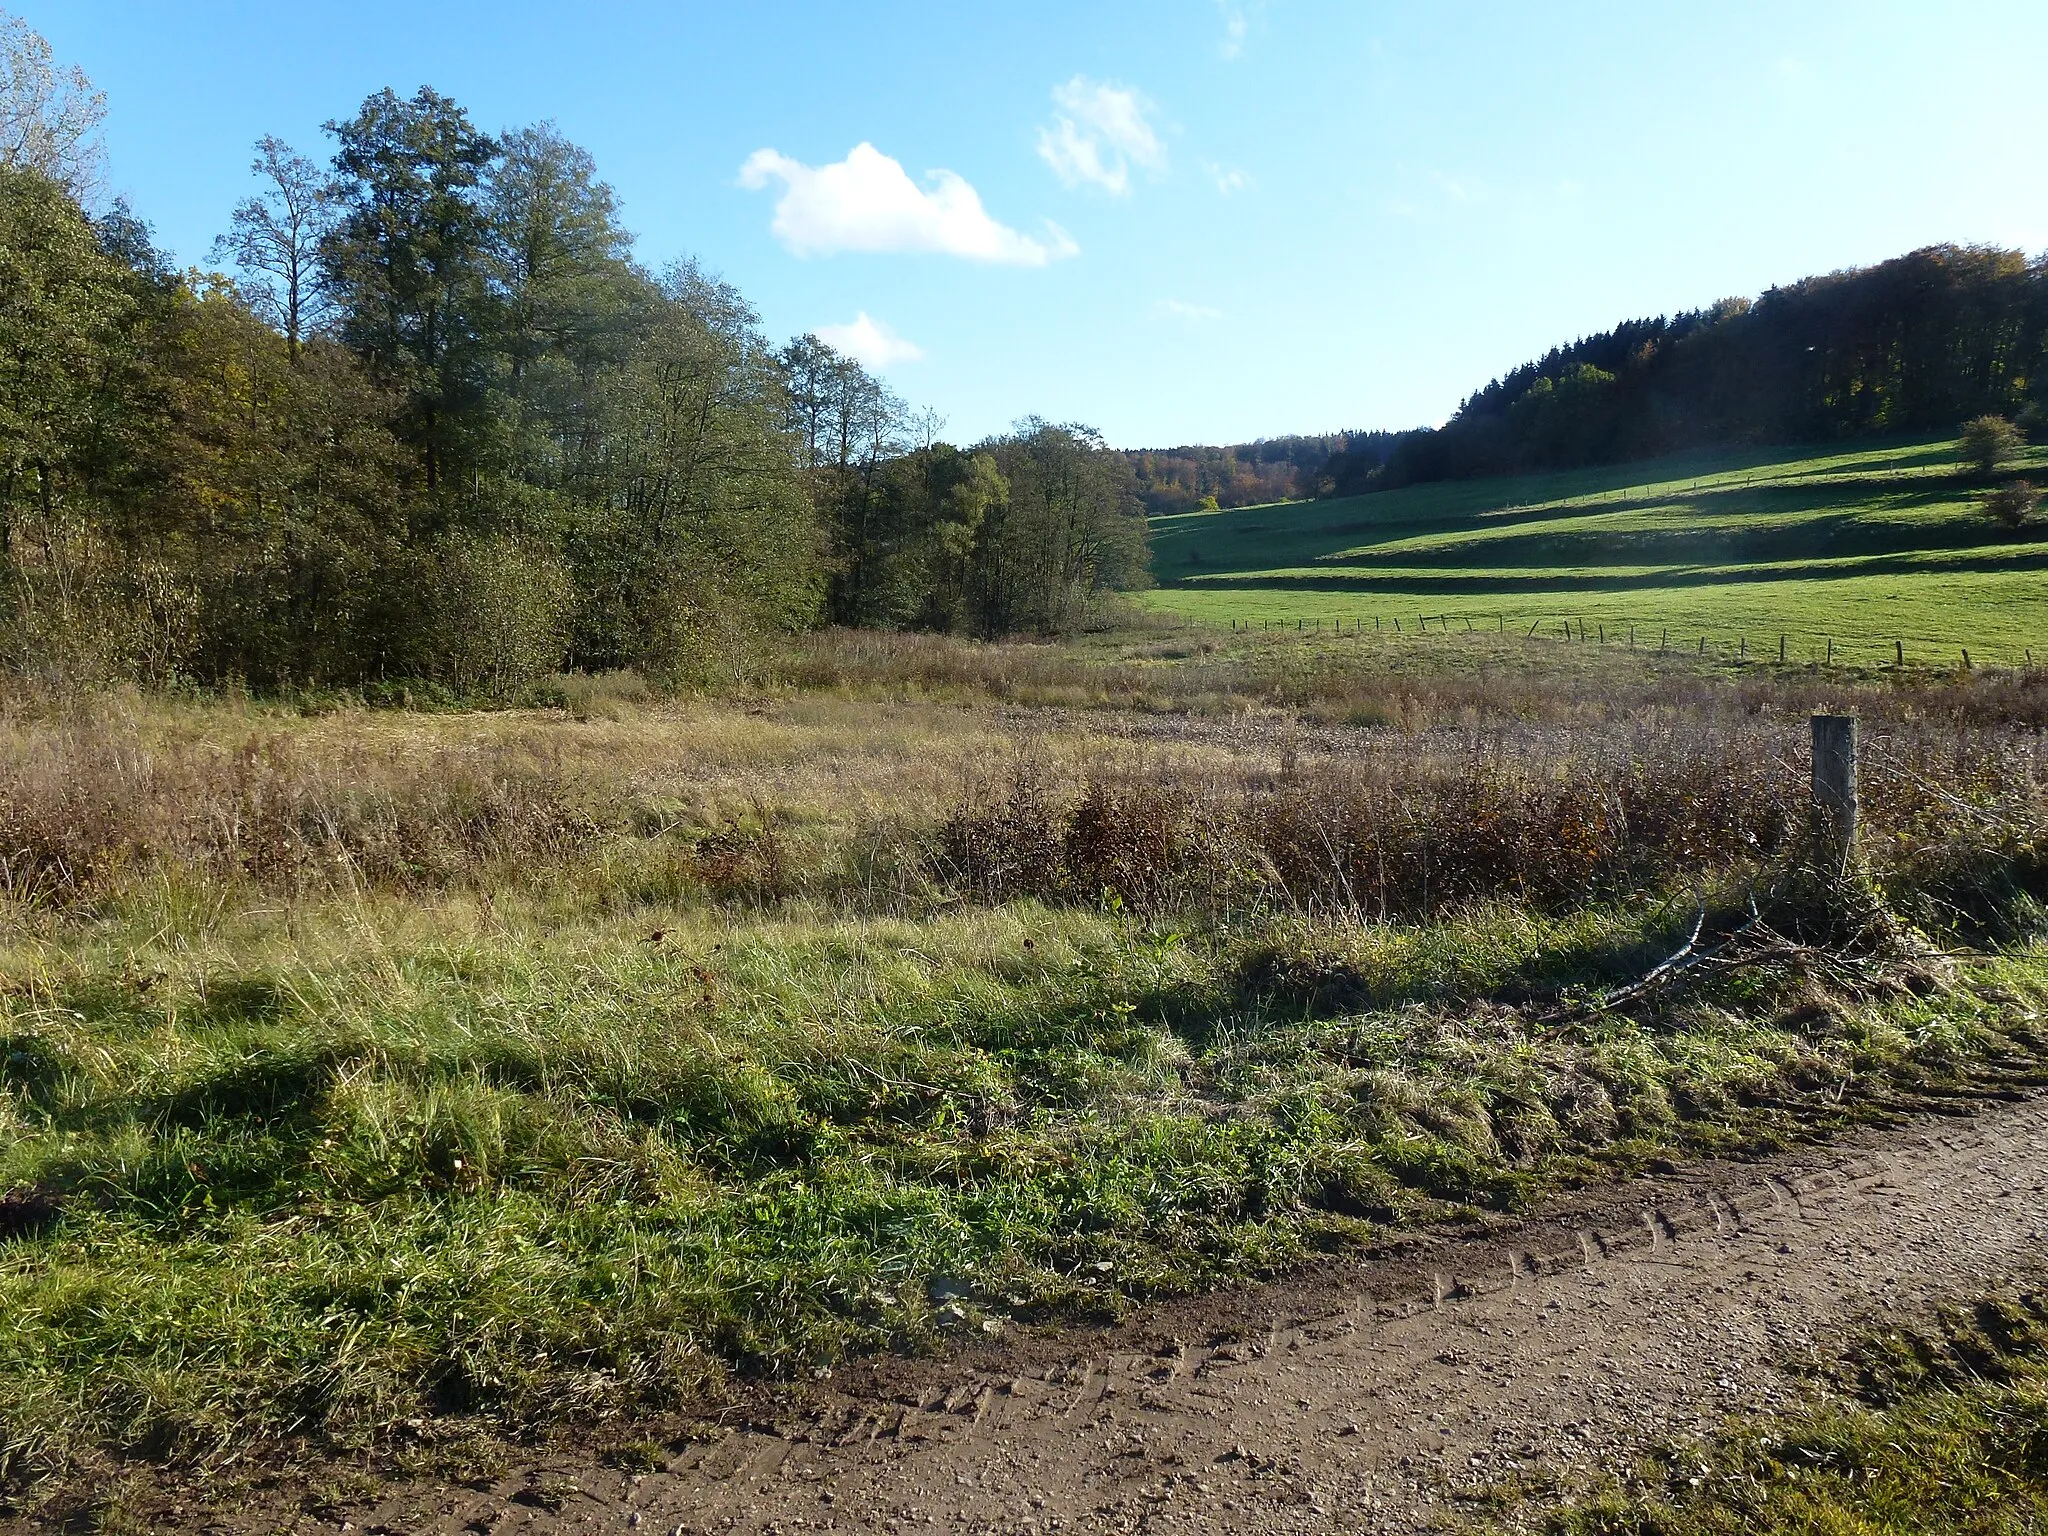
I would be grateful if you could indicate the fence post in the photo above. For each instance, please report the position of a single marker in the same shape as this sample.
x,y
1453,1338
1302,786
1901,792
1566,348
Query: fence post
x,y
1834,790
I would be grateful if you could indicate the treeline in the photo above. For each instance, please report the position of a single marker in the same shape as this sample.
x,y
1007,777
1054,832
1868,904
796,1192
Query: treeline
x,y
1918,344
439,423
1174,480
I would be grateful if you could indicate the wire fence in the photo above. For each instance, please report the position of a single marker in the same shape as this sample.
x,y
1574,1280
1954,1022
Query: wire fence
x,y
1783,647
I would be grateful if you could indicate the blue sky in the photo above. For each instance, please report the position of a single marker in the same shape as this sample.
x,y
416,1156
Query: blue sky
x,y
1177,220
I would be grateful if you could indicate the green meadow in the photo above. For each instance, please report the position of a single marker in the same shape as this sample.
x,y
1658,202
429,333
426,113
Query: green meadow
x,y
1869,549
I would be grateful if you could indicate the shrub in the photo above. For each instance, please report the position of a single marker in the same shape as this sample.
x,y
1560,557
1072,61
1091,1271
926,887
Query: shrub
x,y
492,616
2013,503
1989,442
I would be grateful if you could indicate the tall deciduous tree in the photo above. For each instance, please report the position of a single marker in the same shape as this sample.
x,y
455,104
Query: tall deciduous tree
x,y
50,116
275,239
64,303
405,263
1070,528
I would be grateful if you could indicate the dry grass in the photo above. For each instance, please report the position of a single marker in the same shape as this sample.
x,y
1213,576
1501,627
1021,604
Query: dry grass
x,y
1404,682
895,807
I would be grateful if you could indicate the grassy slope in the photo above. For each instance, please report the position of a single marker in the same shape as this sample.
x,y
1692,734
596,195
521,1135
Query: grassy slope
x,y
1867,547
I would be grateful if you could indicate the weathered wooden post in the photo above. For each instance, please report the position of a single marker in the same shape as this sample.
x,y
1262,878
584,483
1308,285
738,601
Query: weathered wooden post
x,y
1834,791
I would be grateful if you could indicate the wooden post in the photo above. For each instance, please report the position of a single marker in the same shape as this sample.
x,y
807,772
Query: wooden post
x,y
1898,653
1781,650
1834,790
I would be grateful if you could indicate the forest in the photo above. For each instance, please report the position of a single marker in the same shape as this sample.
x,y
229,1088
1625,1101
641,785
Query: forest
x,y
1917,344
1195,477
432,420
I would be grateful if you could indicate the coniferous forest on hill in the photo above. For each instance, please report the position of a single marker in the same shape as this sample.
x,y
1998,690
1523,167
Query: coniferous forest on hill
x,y
1918,344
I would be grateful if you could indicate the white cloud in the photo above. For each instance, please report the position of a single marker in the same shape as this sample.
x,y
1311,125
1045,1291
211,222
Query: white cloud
x,y
1098,134
1178,309
1238,16
867,202
1228,178
870,343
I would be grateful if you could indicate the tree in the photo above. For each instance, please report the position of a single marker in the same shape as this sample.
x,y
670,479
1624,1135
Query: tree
x,y
847,426
1070,528
404,263
700,528
63,305
565,306
275,240
2013,503
1990,442
49,117
557,258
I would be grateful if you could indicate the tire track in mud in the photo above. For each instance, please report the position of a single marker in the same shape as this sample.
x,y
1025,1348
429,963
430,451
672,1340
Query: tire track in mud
x,y
1371,1396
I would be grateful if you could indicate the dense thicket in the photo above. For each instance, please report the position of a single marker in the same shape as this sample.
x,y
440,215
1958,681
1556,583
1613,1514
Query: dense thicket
x,y
441,424
1248,474
1918,344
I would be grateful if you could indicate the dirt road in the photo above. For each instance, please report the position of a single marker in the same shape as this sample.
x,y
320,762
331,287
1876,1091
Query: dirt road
x,y
1371,1396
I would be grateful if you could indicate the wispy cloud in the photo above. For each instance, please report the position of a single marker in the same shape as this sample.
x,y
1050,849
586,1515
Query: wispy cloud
x,y
870,342
868,202
1229,180
1099,132
1238,16
1180,309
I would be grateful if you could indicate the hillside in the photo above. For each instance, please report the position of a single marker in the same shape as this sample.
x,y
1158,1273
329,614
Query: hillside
x,y
1871,547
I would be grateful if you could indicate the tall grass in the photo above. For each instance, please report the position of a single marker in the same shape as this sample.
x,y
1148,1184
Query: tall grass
x,y
904,814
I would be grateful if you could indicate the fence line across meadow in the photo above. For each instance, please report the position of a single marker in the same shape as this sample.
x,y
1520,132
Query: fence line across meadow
x,y
1812,647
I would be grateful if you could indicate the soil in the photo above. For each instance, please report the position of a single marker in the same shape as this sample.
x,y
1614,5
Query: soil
x,y
1425,1386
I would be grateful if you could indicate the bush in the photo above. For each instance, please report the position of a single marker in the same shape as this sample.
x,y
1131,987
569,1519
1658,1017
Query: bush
x,y
493,615
1989,442
2013,504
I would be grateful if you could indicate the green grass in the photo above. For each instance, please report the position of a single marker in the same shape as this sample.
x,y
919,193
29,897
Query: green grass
x,y
321,1168
1867,547
1943,1433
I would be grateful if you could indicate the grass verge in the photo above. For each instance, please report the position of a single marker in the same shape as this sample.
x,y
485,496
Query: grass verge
x,y
308,1172
1943,1431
